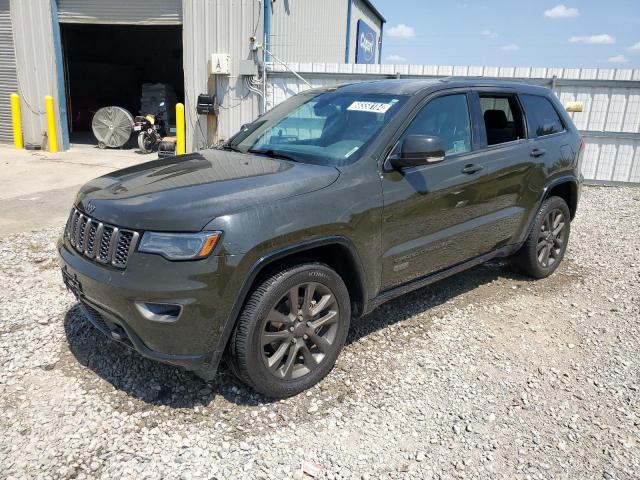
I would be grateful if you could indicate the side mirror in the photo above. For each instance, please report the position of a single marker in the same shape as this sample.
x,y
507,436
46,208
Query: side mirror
x,y
418,150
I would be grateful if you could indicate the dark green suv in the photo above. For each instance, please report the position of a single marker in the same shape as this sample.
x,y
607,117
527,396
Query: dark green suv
x,y
332,203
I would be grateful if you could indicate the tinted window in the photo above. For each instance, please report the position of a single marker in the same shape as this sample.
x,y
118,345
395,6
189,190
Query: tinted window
x,y
447,118
542,117
502,118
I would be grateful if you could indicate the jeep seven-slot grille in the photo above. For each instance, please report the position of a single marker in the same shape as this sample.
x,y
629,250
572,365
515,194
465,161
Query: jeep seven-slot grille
x,y
103,243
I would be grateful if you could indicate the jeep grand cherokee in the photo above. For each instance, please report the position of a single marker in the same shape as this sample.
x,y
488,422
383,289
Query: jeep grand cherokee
x,y
335,201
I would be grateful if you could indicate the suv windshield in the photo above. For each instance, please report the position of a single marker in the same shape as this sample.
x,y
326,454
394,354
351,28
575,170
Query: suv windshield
x,y
328,128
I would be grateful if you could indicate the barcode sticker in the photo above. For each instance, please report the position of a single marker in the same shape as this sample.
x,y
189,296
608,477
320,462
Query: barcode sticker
x,y
373,107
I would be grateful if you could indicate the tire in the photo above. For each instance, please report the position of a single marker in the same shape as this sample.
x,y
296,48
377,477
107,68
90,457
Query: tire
x,y
146,142
544,249
270,334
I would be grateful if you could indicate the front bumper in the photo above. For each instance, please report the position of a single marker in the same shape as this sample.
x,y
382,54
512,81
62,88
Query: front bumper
x,y
203,289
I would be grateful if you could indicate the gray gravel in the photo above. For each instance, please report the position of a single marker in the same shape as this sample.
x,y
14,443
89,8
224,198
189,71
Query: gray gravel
x,y
484,375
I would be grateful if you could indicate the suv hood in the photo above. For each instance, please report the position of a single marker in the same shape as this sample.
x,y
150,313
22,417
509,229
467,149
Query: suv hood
x,y
185,193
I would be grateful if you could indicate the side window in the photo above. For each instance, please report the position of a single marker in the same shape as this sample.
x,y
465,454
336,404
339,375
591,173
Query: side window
x,y
542,117
502,118
445,117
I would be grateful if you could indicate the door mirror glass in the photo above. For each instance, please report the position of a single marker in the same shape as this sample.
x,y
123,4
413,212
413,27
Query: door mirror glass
x,y
417,150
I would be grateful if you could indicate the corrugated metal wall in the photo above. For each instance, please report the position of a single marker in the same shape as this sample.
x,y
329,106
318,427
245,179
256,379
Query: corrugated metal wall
x,y
129,12
360,11
37,74
610,122
309,30
8,74
218,26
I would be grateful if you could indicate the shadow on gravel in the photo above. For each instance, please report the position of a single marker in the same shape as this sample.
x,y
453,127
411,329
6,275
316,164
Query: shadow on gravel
x,y
428,297
146,380
159,384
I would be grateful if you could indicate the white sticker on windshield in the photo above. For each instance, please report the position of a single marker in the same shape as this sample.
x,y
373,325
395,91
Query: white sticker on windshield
x,y
373,107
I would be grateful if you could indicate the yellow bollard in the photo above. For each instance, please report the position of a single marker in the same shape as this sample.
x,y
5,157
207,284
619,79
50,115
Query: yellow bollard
x,y
17,121
180,141
51,124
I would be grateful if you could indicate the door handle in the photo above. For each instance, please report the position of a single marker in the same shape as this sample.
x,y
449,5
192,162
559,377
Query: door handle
x,y
471,168
538,152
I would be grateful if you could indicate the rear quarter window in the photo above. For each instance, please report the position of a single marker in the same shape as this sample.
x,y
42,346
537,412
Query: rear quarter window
x,y
542,117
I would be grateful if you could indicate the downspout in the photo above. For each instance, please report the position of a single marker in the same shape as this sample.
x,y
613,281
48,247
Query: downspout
x,y
267,30
59,64
346,51
380,44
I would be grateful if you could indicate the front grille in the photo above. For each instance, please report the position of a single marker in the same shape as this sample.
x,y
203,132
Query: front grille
x,y
103,243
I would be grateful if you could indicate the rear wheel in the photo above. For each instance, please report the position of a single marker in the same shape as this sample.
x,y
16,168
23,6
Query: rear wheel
x,y
291,330
547,241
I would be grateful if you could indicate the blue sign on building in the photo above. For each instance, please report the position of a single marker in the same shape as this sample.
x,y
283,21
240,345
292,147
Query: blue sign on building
x,y
365,44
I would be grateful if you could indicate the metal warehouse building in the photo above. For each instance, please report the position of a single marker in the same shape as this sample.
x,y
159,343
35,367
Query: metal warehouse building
x,y
92,53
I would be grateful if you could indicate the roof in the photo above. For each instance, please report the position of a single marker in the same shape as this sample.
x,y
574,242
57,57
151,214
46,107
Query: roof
x,y
374,10
413,86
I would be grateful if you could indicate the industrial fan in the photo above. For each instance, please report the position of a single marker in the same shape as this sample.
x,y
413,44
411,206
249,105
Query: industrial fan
x,y
112,126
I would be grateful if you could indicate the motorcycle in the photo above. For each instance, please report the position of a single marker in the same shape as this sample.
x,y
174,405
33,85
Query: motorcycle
x,y
152,129
150,133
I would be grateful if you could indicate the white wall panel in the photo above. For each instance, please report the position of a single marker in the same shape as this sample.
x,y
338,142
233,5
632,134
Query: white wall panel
x,y
218,26
617,109
632,118
624,161
8,74
635,168
37,72
309,30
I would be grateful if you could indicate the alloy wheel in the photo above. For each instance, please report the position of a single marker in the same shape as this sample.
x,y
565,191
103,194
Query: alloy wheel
x,y
551,238
300,331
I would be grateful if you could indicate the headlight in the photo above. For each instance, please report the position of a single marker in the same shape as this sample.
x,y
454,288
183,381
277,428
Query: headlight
x,y
179,246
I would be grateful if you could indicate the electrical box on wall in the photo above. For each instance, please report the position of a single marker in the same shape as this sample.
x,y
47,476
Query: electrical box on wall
x,y
220,64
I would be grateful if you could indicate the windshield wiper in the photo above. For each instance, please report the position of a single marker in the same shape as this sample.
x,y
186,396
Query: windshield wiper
x,y
228,146
272,154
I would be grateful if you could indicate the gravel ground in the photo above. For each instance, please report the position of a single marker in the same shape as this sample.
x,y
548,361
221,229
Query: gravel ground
x,y
483,375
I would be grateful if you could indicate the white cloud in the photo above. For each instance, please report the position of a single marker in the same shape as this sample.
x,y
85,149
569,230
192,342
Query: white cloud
x,y
511,47
488,33
604,39
402,31
395,59
634,48
560,11
618,59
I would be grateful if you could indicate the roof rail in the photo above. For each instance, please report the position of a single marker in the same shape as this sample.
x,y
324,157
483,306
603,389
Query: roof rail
x,y
453,78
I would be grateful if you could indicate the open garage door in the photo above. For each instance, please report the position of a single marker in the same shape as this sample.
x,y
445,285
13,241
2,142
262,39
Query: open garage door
x,y
124,53
121,12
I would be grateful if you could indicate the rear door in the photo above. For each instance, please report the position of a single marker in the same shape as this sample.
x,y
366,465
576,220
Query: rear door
x,y
435,215
510,165
549,137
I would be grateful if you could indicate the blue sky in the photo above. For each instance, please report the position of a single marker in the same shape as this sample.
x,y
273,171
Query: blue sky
x,y
581,33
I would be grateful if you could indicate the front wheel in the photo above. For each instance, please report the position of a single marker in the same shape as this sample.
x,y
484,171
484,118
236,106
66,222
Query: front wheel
x,y
147,141
546,244
291,330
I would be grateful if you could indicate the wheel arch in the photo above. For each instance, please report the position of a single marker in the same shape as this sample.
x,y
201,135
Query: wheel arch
x,y
565,188
337,252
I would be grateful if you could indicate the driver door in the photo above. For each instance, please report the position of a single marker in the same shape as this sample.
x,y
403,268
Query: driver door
x,y
434,215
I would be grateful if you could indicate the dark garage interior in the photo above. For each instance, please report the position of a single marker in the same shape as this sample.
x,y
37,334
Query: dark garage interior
x,y
108,64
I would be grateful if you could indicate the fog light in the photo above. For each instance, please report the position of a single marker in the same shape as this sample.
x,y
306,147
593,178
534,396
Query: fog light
x,y
159,312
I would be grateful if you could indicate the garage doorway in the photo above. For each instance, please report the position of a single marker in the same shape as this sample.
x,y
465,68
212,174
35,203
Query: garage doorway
x,y
108,65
